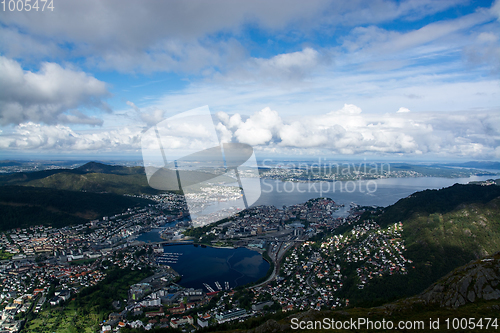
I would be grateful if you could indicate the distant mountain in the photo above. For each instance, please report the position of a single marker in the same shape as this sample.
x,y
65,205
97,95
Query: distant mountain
x,y
96,167
24,206
478,165
91,177
5,163
96,182
20,178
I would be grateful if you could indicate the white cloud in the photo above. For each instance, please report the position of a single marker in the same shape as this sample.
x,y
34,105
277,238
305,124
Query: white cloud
x,y
288,66
225,135
361,12
15,44
487,37
345,131
36,136
300,134
256,130
150,35
31,136
77,117
153,117
50,96
420,89
428,68
133,106
495,9
485,50
284,69
147,36
349,131
374,41
150,118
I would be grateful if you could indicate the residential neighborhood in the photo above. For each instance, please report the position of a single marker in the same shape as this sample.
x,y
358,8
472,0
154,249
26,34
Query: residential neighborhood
x,y
49,267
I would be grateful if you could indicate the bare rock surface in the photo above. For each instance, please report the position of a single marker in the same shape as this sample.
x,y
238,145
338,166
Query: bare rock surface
x,y
470,283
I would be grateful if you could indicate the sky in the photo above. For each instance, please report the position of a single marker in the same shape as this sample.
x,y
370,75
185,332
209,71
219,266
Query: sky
x,y
381,79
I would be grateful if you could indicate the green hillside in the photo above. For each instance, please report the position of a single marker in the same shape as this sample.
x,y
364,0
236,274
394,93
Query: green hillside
x,y
443,229
23,206
95,167
437,201
91,177
96,182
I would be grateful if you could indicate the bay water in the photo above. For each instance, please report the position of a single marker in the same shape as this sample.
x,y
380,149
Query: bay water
x,y
199,265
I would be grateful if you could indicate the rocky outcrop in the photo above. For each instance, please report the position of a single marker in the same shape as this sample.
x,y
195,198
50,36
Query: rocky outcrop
x,y
479,280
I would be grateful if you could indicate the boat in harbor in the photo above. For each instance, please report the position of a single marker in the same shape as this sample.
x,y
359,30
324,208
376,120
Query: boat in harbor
x,y
210,289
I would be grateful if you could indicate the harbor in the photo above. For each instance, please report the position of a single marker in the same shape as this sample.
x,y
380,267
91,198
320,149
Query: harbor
x,y
217,285
214,269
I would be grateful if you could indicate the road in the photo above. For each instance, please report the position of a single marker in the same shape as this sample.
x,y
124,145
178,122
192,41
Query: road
x,y
276,258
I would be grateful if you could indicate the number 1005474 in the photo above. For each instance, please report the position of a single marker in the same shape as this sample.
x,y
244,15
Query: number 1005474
x,y
27,5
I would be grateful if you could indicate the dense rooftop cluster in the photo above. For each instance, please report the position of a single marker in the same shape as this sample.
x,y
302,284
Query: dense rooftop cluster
x,y
49,265
307,280
376,251
311,273
264,219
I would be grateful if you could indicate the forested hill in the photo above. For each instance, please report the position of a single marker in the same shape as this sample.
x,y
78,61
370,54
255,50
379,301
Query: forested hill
x,y
437,201
442,230
90,177
24,206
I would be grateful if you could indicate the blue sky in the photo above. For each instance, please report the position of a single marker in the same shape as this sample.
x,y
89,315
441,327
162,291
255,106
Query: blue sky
x,y
384,79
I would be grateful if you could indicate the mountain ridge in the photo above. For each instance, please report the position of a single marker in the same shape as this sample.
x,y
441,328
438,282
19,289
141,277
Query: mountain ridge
x,y
91,177
97,167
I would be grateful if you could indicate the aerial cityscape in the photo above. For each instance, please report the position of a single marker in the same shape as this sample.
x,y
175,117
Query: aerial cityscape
x,y
263,166
291,258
